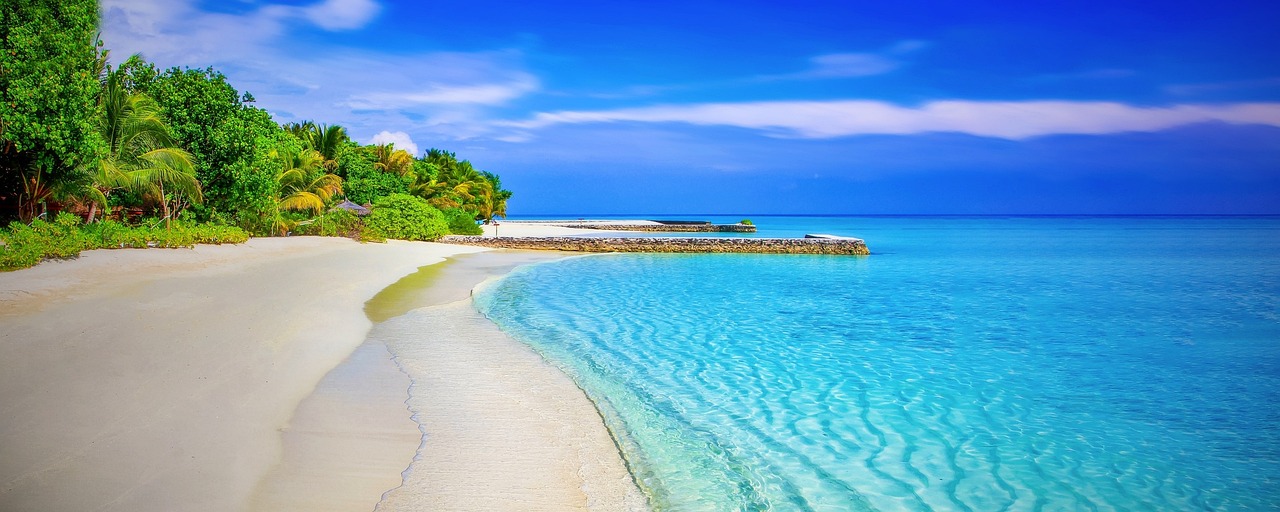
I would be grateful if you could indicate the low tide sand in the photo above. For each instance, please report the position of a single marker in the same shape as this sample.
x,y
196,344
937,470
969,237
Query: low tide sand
x,y
245,378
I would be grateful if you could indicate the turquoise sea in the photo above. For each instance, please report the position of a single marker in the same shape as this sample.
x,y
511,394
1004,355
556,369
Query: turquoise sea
x,y
969,363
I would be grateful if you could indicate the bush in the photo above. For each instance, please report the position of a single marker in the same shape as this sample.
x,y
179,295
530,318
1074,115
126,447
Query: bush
x,y
22,246
405,217
746,222
462,222
338,222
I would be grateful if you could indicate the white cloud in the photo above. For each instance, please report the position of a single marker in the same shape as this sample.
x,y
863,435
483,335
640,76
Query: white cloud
x,y
1007,120
438,93
342,14
400,139
840,65
257,52
852,65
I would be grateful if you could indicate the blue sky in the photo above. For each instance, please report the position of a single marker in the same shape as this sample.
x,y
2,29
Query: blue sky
x,y
656,107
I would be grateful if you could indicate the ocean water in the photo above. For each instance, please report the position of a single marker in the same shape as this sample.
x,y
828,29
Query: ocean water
x,y
968,364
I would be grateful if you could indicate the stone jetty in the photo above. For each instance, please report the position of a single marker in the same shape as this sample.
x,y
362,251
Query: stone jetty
x,y
843,246
648,226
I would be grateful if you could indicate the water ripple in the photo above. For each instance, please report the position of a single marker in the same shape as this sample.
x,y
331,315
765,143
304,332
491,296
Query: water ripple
x,y
1034,373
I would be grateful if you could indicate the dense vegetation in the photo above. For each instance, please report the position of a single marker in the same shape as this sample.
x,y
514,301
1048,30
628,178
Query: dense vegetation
x,y
134,147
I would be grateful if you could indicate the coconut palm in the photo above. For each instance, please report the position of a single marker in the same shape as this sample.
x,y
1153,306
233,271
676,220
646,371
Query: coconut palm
x,y
301,186
490,203
390,159
328,140
140,154
441,194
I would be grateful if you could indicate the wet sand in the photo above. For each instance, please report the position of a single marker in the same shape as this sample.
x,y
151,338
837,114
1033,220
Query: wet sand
x,y
210,379
523,438
160,379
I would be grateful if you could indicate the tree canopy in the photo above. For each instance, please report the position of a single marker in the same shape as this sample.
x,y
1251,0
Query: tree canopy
x,y
49,87
77,135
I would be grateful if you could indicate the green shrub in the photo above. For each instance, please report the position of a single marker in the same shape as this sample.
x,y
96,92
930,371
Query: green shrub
x,y
405,217
338,222
746,222
461,222
22,246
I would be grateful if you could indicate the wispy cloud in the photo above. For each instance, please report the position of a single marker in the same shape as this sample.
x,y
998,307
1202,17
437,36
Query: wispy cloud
x,y
442,94
518,85
1238,85
1006,120
851,65
826,66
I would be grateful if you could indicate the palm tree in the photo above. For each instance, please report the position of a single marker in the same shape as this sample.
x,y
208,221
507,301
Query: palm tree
x,y
390,159
296,190
328,140
170,166
491,203
140,154
440,194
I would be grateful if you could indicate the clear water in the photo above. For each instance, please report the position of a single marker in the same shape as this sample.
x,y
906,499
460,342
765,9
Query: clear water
x,y
967,364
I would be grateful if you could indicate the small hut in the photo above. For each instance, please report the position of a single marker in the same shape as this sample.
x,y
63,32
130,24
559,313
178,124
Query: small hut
x,y
353,208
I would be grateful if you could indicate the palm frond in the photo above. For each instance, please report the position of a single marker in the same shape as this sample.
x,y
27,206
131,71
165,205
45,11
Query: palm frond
x,y
302,201
173,168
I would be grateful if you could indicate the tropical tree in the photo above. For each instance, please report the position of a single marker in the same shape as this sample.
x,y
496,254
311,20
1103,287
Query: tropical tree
x,y
327,140
172,167
392,160
301,186
458,184
489,204
220,127
492,198
362,181
49,92
140,153
442,195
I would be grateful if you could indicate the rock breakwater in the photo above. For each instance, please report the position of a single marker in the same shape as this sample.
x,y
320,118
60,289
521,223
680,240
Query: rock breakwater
x,y
845,246
669,228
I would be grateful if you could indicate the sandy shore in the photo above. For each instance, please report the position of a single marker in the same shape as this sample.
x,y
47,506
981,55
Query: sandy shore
x,y
210,379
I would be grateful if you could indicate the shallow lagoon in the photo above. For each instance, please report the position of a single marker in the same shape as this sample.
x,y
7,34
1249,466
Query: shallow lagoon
x,y
970,363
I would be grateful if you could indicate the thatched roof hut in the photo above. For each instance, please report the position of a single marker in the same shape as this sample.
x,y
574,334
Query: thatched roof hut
x,y
353,208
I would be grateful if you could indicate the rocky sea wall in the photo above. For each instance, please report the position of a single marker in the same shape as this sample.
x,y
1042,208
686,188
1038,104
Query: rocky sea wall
x,y
844,246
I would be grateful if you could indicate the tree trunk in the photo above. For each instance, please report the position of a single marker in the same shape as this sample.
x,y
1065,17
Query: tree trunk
x,y
164,206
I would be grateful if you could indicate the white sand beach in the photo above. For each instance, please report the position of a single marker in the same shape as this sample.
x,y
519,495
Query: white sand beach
x,y
241,378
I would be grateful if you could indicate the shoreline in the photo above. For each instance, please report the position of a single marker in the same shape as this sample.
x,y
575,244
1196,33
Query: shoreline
x,y
184,379
426,323
159,379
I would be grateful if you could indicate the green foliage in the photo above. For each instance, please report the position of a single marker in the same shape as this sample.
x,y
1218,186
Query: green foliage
x,y
405,217
461,222
338,222
746,222
365,183
22,246
217,125
48,97
141,156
